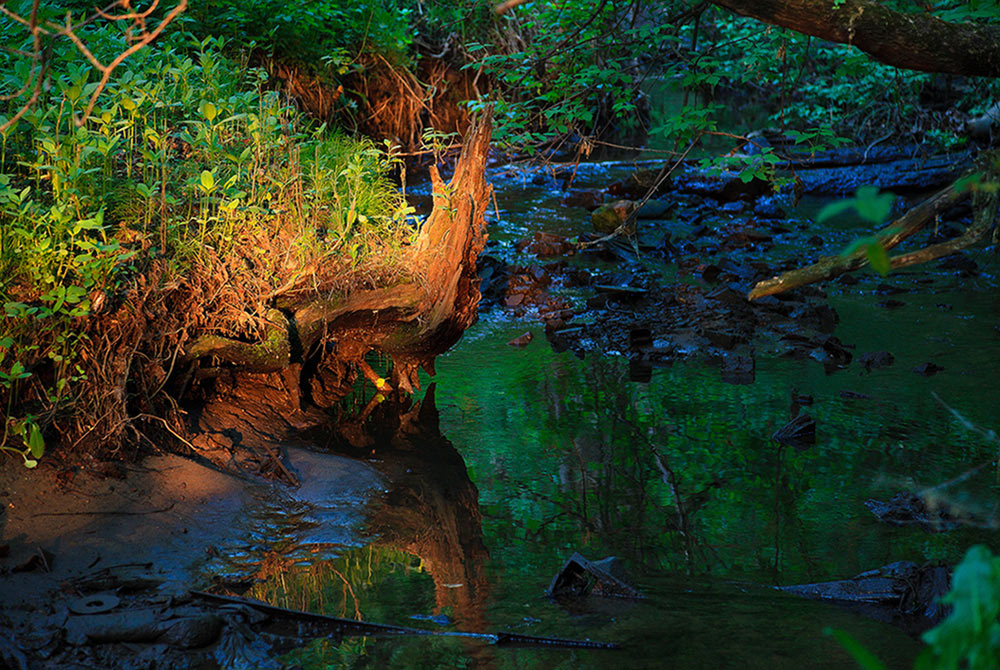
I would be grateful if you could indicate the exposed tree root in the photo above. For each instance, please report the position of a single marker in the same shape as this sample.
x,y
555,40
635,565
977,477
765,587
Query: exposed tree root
x,y
412,321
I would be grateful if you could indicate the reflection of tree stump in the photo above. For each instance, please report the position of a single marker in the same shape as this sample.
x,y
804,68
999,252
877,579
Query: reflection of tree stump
x,y
431,509
412,321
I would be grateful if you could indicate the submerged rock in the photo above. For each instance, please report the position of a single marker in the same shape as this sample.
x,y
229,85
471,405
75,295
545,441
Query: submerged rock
x,y
607,218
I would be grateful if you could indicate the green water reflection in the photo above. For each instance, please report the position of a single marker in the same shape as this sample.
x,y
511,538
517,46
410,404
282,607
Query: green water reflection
x,y
532,455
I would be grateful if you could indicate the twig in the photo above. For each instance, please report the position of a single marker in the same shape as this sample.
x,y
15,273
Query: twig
x,y
109,512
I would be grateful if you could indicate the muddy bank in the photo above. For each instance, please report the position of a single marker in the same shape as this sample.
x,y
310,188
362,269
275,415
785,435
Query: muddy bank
x,y
102,566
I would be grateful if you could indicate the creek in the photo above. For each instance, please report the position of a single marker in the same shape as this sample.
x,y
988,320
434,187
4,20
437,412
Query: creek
x,y
531,455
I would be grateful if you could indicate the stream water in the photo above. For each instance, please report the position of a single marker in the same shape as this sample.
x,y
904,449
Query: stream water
x,y
522,456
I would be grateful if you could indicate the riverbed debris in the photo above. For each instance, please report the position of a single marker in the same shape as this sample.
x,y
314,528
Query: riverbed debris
x,y
580,577
902,593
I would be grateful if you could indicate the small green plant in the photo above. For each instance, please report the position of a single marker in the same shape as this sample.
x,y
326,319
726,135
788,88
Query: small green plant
x,y
970,635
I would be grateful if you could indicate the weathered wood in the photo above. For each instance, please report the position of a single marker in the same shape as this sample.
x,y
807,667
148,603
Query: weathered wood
x,y
412,321
915,41
829,267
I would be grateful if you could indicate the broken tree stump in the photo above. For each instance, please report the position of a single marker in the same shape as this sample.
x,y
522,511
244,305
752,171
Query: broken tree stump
x,y
412,321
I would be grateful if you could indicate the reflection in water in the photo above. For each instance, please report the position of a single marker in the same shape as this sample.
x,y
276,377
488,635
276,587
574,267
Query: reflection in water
x,y
432,508
425,563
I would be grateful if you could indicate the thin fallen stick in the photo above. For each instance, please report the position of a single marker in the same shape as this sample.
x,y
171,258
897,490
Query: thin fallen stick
x,y
109,512
350,626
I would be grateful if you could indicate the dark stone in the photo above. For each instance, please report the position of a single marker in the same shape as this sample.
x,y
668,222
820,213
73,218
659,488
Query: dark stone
x,y
891,304
828,318
711,272
800,432
580,577
738,369
928,369
589,200
871,360
960,263
889,289
907,508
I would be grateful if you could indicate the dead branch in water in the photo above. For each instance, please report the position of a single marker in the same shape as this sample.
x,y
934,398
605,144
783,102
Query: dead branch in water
x,y
891,235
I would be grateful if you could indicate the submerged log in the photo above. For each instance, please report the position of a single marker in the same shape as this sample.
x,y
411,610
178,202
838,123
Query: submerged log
x,y
412,321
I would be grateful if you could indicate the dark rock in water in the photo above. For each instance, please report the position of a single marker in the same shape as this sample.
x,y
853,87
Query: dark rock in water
x,y
655,209
589,200
607,218
580,577
724,339
800,432
891,304
729,297
640,338
889,289
871,360
770,207
711,272
815,241
546,244
640,371
828,318
854,395
908,509
832,354
961,264
521,340
738,368
928,369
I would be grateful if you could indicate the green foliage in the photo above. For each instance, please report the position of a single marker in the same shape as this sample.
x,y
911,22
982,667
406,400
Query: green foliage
x,y
874,208
188,159
970,636
864,658
308,32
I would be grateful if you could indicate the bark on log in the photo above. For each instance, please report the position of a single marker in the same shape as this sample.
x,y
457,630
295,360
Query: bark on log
x,y
413,322
917,41
829,267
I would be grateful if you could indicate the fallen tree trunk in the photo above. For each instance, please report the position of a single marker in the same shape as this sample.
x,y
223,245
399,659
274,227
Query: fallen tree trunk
x,y
891,235
413,321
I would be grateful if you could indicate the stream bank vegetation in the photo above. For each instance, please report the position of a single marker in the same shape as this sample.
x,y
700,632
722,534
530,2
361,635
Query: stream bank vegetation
x,y
186,203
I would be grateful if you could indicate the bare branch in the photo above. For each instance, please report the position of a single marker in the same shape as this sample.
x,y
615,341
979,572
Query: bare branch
x,y
69,29
132,16
146,39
